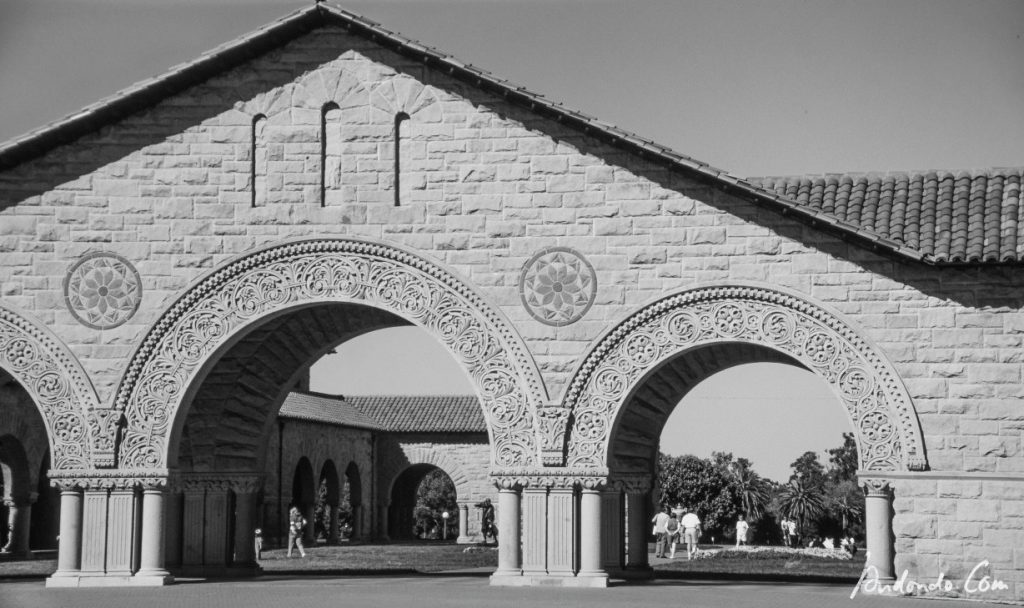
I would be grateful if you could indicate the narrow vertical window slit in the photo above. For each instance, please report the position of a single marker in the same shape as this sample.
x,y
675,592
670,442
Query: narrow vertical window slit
x,y
399,118
257,160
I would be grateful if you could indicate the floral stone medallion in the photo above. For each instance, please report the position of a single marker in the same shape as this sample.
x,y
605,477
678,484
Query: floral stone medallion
x,y
103,290
558,286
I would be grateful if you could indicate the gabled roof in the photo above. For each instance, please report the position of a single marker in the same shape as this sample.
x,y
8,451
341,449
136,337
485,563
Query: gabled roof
x,y
314,407
391,413
783,195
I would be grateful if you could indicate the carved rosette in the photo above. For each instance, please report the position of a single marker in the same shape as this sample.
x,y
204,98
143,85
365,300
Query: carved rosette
x,y
283,277
552,422
51,375
888,434
558,286
103,290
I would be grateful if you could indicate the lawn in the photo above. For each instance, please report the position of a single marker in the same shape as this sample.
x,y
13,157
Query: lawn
x,y
761,563
427,557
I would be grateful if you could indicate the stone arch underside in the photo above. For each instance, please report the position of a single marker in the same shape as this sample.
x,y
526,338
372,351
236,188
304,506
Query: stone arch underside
x,y
232,414
23,440
884,421
636,435
416,456
259,286
36,359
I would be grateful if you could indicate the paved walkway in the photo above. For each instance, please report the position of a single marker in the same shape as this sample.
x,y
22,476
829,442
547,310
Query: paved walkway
x,y
445,591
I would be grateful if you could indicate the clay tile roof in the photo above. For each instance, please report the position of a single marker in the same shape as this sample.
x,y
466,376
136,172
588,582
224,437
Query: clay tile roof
x,y
394,413
950,218
314,407
432,414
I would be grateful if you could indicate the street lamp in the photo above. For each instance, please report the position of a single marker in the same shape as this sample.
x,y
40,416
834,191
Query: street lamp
x,y
445,516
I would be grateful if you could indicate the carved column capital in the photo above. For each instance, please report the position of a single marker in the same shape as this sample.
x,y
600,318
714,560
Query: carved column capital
x,y
876,486
552,478
632,484
552,422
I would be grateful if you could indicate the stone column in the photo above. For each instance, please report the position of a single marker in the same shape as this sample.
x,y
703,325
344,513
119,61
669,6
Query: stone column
x,y
19,522
562,520
591,555
94,530
464,538
121,529
612,522
334,527
246,490
69,553
309,533
172,526
193,508
382,522
534,533
151,564
878,528
637,530
509,559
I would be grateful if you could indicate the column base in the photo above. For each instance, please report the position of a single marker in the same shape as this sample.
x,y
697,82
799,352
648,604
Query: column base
x,y
58,580
465,540
547,580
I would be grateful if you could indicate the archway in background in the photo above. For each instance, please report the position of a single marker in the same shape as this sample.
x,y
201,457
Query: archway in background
x,y
327,498
406,492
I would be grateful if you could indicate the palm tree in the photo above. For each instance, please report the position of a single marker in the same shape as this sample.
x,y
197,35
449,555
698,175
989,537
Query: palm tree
x,y
847,503
752,491
801,501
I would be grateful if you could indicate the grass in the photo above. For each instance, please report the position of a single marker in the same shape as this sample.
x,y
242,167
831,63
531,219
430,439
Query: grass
x,y
394,557
761,564
429,557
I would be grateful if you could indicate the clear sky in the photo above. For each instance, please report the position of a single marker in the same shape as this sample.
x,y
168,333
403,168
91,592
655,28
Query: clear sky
x,y
755,87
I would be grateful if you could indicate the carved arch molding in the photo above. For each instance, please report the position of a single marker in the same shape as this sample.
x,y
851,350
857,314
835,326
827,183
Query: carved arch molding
x,y
273,280
885,423
58,385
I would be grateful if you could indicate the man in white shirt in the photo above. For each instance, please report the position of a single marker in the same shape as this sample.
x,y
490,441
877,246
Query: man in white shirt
x,y
741,530
691,533
660,532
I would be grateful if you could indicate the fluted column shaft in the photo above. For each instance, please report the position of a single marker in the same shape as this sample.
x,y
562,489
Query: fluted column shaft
x,y
69,551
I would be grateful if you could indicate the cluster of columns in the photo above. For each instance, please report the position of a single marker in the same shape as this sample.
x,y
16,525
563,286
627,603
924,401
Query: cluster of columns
x,y
130,530
579,531
19,523
571,531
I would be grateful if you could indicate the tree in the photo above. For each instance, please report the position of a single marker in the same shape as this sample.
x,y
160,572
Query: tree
x,y
843,460
846,505
698,484
801,501
808,470
434,496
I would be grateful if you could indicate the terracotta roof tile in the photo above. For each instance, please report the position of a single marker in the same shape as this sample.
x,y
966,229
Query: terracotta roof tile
x,y
950,218
393,413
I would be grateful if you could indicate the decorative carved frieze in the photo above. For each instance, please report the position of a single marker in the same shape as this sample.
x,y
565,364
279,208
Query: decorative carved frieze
x,y
550,477
889,436
52,376
109,479
282,277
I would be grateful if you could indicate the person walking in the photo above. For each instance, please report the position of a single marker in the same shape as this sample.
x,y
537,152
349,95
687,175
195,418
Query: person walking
x,y
741,530
691,533
672,530
296,523
660,532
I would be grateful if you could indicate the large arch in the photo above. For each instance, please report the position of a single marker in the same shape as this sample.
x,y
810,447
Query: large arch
x,y
37,360
883,417
244,293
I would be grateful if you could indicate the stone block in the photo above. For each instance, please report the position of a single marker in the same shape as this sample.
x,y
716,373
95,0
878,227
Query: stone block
x,y
977,510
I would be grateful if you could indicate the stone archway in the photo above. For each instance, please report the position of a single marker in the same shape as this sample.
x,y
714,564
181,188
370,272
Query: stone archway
x,y
884,421
32,355
257,286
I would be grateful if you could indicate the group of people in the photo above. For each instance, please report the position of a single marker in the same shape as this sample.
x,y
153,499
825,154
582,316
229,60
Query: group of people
x,y
673,526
